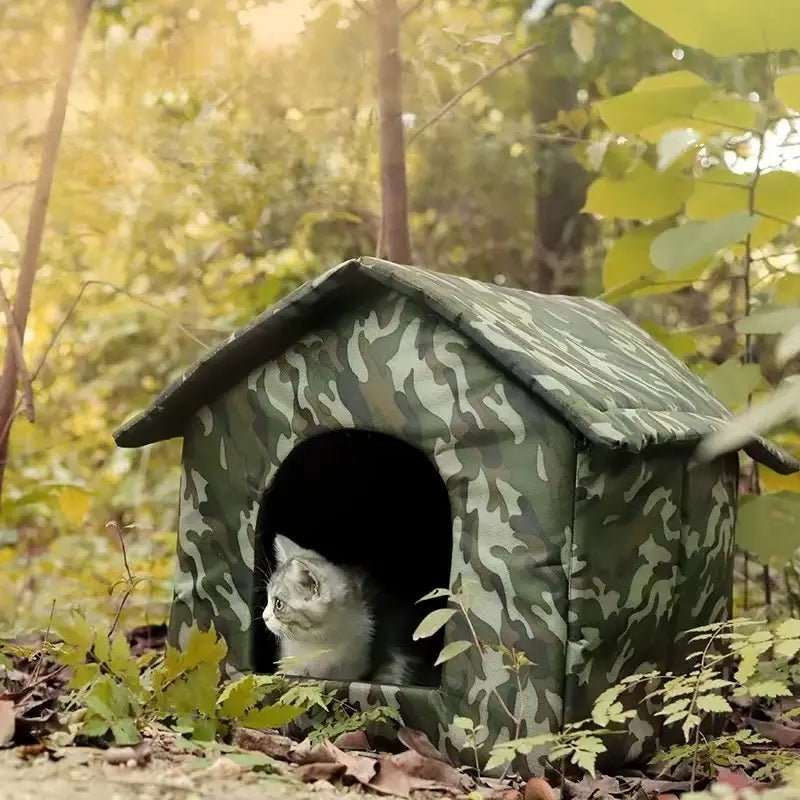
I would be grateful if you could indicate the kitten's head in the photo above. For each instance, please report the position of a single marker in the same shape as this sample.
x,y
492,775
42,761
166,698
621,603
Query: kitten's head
x,y
307,595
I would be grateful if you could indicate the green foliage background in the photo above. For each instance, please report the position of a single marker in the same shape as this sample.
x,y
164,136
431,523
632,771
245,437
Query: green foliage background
x,y
211,163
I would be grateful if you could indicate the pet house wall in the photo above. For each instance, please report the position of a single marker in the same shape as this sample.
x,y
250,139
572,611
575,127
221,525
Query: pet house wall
x,y
562,434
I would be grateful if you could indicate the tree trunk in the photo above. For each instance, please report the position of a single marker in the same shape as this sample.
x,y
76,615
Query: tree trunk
x,y
395,241
33,238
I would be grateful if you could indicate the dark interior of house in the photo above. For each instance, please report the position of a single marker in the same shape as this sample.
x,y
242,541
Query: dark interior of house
x,y
366,499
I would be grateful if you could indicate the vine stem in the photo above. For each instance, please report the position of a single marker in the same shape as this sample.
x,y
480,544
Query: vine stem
x,y
481,649
692,707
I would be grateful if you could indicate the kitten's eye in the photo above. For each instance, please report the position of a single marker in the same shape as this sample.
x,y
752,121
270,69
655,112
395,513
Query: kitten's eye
x,y
277,604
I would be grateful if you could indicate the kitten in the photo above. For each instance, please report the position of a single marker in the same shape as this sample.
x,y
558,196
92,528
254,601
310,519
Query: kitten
x,y
323,616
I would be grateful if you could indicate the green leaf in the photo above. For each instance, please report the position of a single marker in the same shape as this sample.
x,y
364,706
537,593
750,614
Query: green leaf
x,y
787,89
678,343
725,112
203,647
720,192
102,649
714,703
94,728
433,622
788,648
654,100
436,593
787,290
237,697
693,241
83,675
767,526
125,732
741,26
789,629
641,194
628,270
271,716
780,320
769,688
77,632
733,382
451,651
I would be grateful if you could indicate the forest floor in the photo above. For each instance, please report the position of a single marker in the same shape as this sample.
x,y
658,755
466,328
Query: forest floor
x,y
83,773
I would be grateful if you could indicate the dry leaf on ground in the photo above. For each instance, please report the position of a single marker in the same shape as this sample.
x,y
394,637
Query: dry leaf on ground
x,y
7,722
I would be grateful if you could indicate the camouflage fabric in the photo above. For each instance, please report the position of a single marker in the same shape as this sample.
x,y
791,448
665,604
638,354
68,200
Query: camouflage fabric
x,y
669,569
578,542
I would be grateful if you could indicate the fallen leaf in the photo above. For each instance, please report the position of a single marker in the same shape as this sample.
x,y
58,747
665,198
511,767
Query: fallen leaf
x,y
271,744
319,771
390,779
782,735
430,769
352,740
599,788
737,778
538,789
357,767
7,722
418,741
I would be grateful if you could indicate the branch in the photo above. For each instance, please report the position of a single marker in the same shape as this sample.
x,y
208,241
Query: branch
x,y
15,343
490,73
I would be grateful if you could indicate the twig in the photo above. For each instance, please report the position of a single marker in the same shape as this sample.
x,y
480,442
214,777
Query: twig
x,y
485,76
15,342
481,649
130,582
38,666
693,706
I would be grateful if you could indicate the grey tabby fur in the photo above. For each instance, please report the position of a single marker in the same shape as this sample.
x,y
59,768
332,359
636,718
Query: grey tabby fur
x,y
323,617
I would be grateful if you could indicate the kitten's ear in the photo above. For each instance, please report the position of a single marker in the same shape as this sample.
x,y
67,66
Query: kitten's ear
x,y
285,549
306,577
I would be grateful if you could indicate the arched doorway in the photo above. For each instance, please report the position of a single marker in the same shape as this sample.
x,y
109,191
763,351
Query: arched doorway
x,y
366,499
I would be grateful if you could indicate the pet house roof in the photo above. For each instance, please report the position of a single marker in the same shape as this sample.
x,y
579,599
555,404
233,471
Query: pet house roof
x,y
583,358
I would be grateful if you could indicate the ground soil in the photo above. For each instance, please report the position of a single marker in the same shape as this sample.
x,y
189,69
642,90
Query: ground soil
x,y
83,774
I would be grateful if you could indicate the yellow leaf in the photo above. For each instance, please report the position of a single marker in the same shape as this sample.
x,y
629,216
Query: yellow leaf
x,y
737,26
787,88
74,503
654,100
628,264
641,194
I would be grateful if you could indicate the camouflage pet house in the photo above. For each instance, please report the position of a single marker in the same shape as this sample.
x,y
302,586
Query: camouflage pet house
x,y
558,433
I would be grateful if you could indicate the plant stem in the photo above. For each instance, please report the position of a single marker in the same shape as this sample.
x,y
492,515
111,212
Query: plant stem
x,y
517,722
